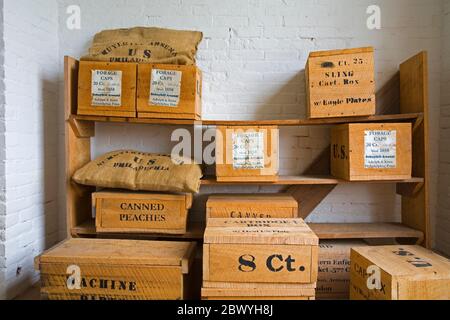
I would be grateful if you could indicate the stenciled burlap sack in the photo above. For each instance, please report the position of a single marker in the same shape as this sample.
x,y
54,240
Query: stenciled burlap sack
x,y
145,45
133,170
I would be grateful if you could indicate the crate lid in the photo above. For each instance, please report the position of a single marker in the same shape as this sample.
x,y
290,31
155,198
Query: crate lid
x,y
259,231
278,200
412,262
119,252
326,53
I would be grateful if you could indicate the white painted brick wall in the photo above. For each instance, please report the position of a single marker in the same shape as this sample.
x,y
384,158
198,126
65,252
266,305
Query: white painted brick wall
x,y
29,219
2,165
253,55
443,215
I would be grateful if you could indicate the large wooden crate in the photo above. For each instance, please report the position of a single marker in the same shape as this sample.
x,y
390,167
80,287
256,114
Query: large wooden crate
x,y
371,151
248,153
405,273
107,89
340,83
169,91
270,251
120,212
278,205
100,269
333,278
259,293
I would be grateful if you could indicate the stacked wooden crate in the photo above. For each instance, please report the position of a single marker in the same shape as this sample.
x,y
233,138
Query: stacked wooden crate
x,y
247,153
101,269
259,259
117,89
333,279
122,212
251,206
398,273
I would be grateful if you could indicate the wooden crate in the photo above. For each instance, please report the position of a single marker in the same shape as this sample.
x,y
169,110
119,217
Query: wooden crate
x,y
371,151
406,273
333,278
248,153
169,91
275,251
259,293
141,212
340,83
116,269
107,89
277,205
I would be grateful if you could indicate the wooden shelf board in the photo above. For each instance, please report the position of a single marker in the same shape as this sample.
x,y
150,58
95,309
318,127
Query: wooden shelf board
x,y
323,230
289,122
364,231
305,180
87,229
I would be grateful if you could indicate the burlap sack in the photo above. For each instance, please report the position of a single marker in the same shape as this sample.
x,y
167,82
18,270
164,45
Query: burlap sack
x,y
133,170
145,45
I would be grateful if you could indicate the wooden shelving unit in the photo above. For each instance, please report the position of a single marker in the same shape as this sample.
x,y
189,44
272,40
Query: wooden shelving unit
x,y
404,98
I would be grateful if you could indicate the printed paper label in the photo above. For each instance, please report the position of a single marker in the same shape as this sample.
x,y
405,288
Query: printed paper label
x,y
106,88
380,149
165,87
248,150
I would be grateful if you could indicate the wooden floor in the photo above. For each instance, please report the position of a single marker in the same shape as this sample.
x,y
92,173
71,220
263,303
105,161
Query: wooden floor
x,y
31,294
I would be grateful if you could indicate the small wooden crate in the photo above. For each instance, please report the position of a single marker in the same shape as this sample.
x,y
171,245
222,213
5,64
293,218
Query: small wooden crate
x,y
340,83
277,205
247,153
406,273
169,91
107,89
116,270
294,292
371,151
333,279
275,251
141,212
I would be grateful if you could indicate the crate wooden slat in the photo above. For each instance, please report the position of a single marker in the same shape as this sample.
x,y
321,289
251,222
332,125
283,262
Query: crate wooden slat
x,y
258,293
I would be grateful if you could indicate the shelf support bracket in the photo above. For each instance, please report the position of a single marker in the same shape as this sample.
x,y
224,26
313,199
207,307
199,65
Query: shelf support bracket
x,y
82,129
310,196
